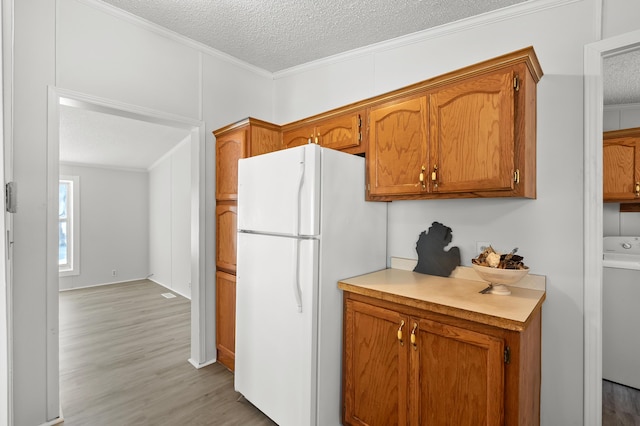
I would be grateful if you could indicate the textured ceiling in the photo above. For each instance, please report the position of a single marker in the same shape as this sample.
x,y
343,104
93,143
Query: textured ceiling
x,y
622,78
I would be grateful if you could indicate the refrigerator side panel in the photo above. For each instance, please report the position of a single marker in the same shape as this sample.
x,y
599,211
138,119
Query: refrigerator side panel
x,y
276,326
278,193
353,241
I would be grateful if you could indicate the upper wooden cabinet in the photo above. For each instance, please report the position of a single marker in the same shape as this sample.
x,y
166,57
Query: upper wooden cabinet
x,y
341,132
398,147
469,133
621,165
246,138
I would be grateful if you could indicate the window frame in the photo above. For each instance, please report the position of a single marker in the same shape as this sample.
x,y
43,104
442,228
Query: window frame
x,y
72,267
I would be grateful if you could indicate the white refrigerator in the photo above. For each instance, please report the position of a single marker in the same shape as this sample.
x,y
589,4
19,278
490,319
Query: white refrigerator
x,y
303,225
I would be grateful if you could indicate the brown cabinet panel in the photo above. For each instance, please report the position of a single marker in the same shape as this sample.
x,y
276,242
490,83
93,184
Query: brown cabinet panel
x,y
472,134
265,139
398,147
229,149
226,228
621,166
375,360
460,376
341,132
298,137
225,318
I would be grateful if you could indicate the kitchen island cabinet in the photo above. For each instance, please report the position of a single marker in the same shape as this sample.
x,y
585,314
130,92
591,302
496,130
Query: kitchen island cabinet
x,y
621,166
417,351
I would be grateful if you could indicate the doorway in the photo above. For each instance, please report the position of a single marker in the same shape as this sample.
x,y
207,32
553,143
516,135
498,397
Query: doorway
x,y
593,215
195,134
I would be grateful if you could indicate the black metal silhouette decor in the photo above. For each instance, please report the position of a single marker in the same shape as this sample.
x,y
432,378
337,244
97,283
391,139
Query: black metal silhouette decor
x,y
433,259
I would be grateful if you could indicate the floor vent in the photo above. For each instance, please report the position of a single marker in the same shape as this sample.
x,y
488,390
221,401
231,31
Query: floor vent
x,y
168,295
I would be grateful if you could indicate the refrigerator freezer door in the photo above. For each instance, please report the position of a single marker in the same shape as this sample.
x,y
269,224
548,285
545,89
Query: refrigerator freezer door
x,y
279,192
276,354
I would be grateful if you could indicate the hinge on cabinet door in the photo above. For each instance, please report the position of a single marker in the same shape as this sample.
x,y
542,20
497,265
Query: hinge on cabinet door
x,y
507,355
516,176
516,83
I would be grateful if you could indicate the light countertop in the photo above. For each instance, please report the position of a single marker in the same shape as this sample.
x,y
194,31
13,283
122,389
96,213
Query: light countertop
x,y
456,297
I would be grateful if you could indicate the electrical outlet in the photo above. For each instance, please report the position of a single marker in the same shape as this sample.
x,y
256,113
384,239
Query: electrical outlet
x,y
114,273
481,245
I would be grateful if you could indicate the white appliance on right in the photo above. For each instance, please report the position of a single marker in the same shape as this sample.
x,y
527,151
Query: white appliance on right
x,y
620,313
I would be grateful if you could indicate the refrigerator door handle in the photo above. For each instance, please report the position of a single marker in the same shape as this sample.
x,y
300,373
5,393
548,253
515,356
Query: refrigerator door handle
x,y
298,199
296,279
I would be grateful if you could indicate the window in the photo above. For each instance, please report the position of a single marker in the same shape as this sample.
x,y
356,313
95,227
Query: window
x,y
68,226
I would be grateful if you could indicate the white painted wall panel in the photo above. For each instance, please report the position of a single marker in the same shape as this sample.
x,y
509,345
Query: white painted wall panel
x,y
548,230
619,17
102,55
232,93
160,223
181,219
114,235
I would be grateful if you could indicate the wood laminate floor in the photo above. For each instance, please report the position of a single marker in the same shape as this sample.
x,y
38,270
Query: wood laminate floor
x,y
124,352
620,405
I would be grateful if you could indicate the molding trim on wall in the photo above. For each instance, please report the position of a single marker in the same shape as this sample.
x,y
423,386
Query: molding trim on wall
x,y
164,32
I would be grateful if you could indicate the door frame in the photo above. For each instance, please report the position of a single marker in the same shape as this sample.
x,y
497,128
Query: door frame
x,y
200,329
594,53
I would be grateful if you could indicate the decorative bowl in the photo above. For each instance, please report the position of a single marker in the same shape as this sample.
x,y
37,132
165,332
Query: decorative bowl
x,y
499,277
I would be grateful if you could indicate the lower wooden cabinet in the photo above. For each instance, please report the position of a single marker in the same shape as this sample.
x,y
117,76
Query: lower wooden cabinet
x,y
405,366
225,318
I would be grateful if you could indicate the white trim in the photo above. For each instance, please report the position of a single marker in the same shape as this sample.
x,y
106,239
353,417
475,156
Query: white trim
x,y
593,216
509,12
171,35
105,167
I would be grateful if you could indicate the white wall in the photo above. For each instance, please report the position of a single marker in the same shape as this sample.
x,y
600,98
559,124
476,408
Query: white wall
x,y
114,211
548,230
170,220
81,45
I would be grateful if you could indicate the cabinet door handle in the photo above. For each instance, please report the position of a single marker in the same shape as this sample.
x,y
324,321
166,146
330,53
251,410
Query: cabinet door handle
x,y
637,189
434,176
413,336
400,333
421,178
317,138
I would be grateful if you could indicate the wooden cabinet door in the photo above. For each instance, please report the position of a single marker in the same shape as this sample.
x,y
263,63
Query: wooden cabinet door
x,y
398,147
342,132
621,169
298,137
456,376
226,318
229,149
226,229
472,134
264,140
375,366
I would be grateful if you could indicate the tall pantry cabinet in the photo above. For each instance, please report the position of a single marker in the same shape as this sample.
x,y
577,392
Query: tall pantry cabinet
x,y
246,138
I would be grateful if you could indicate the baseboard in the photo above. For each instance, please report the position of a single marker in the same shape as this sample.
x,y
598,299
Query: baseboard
x,y
196,365
103,284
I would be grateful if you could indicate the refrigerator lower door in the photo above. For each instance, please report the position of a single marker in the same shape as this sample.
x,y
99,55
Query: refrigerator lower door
x,y
276,326
279,192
